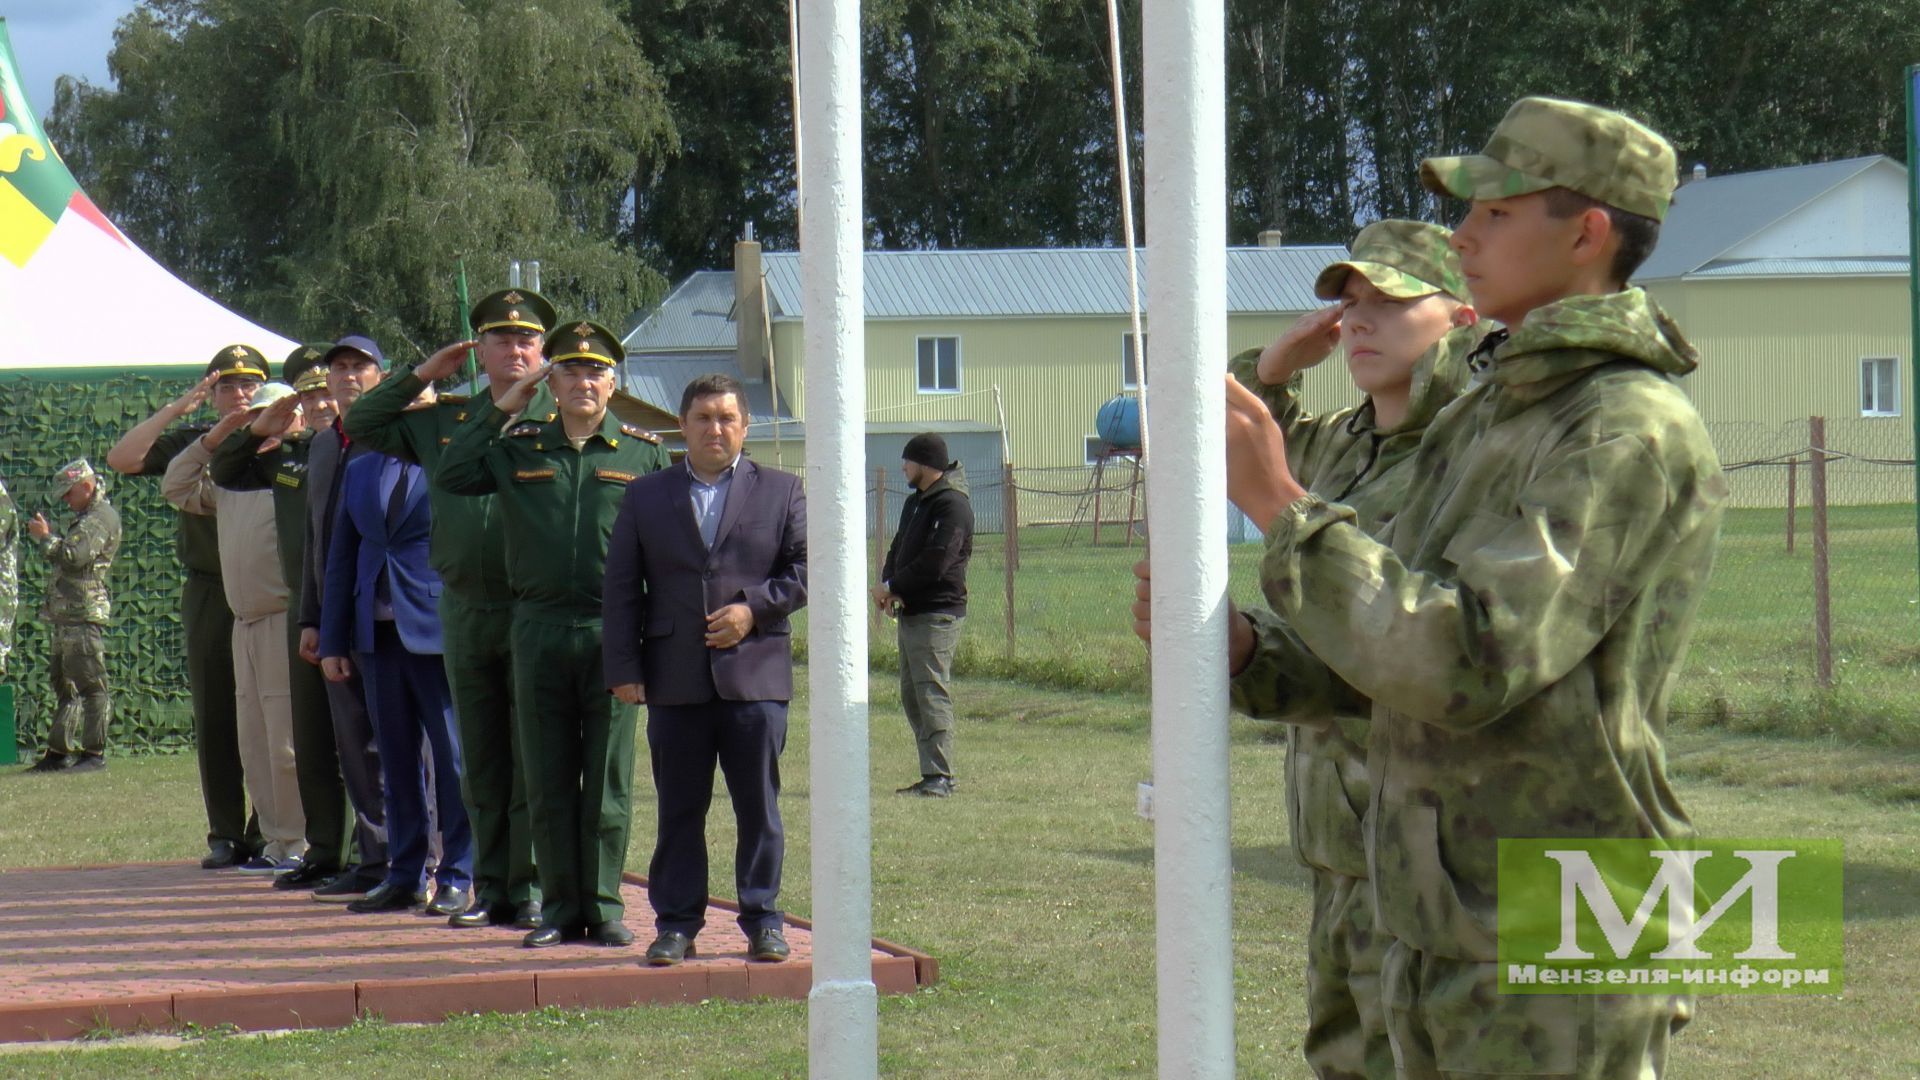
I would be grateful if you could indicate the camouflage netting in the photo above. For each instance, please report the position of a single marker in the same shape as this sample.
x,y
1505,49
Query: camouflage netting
x,y
43,425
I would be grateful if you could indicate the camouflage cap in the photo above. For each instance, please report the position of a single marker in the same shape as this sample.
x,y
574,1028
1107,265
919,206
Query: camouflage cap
x,y
268,394
1404,259
1546,143
238,360
302,359
73,472
512,309
584,343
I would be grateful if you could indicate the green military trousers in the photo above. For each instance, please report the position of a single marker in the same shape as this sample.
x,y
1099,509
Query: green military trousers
x,y
577,742
208,624
479,660
77,668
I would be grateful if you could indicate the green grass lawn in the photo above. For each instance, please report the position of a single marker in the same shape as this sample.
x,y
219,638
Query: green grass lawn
x,y
1034,888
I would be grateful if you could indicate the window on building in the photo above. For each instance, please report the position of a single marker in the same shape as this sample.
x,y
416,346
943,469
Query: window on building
x,y
939,365
1129,370
1879,386
1095,447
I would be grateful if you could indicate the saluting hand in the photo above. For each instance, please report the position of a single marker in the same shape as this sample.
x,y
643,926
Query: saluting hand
x,y
1308,341
520,394
277,418
227,425
38,527
192,399
729,626
445,362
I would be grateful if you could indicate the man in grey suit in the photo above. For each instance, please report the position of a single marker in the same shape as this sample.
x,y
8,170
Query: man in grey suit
x,y
354,366
706,563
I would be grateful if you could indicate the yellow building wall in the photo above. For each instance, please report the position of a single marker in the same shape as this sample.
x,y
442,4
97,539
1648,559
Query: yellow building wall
x,y
1775,351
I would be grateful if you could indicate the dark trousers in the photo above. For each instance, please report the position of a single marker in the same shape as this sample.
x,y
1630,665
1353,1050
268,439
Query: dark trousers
x,y
359,755
577,741
412,709
208,624
479,662
745,739
316,760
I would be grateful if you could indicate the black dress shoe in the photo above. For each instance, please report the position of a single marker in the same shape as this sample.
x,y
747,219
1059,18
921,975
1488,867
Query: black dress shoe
x,y
51,762
669,948
526,915
450,900
386,897
222,854
614,933
480,915
549,935
768,944
306,876
87,763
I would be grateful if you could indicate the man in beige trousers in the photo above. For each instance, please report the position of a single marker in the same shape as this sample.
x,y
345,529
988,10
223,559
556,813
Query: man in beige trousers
x,y
257,592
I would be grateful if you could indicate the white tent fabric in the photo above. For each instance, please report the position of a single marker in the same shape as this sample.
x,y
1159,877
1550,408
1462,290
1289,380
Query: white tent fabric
x,y
74,291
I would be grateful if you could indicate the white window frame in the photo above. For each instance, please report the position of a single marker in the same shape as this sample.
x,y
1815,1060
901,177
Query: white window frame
x,y
959,380
1093,446
1146,349
1869,384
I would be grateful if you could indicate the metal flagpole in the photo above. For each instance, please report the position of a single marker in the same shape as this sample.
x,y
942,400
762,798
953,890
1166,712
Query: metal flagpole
x,y
842,1021
1184,66
1912,85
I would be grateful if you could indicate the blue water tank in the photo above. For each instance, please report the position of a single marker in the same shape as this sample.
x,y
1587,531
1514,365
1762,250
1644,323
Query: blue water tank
x,y
1118,422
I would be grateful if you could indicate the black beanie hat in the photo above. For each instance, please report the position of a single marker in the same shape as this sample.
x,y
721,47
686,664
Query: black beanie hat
x,y
927,449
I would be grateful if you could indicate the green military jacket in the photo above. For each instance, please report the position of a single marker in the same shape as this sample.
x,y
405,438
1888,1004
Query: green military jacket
x,y
1522,627
198,541
9,572
240,466
77,588
1346,457
468,545
556,504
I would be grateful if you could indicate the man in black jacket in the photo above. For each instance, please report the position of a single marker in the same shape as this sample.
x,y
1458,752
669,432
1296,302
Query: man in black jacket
x,y
924,584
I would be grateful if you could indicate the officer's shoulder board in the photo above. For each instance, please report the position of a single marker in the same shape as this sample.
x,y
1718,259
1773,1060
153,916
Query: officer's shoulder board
x,y
640,433
453,399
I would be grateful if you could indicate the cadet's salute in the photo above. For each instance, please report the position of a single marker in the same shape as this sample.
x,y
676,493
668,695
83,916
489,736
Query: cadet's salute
x,y
560,481
468,550
78,606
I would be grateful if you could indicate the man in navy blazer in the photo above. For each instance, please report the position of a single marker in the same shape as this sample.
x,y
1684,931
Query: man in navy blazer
x,y
383,605
707,561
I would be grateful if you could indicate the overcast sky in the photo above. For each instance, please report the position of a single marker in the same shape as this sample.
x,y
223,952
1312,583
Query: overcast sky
x,y
52,38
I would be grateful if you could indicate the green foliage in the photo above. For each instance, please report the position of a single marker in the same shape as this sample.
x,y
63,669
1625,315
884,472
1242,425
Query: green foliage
x,y
47,425
324,166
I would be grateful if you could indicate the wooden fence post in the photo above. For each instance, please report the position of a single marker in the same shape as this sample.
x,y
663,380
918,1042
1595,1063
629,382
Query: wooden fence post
x,y
1793,482
1822,598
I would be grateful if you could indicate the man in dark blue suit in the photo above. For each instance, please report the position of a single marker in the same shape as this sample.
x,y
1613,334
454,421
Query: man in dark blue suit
x,y
706,563
383,603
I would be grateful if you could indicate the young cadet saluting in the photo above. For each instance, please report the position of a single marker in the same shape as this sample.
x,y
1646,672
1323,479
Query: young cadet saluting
x,y
559,483
1404,325
468,550
1519,631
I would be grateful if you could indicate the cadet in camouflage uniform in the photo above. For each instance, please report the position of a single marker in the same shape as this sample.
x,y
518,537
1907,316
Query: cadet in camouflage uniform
x,y
78,607
469,552
1405,328
9,573
559,483
1521,628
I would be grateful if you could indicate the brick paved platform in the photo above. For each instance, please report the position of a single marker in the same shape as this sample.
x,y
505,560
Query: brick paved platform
x,y
151,947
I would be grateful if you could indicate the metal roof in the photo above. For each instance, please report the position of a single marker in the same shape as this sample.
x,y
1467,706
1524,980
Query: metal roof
x,y
1862,267
659,378
1712,216
1046,282
697,314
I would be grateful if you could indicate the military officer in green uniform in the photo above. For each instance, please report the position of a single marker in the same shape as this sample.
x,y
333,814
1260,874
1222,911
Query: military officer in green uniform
x,y
271,454
469,551
559,482
204,615
77,608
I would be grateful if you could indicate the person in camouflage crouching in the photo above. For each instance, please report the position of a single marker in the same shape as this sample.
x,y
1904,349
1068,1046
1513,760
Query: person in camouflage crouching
x,y
78,607
1403,323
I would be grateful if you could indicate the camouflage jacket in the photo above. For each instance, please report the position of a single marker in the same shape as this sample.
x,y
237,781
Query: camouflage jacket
x,y
1344,456
77,588
9,572
1521,628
